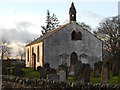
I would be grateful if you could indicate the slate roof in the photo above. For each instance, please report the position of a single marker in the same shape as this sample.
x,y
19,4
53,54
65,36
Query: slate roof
x,y
51,32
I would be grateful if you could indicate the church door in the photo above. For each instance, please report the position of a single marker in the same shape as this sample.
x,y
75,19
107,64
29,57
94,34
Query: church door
x,y
34,61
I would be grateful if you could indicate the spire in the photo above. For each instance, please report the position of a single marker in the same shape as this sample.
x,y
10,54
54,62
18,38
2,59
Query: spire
x,y
72,13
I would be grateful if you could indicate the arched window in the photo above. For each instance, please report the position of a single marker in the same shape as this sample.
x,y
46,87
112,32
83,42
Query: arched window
x,y
76,36
73,35
74,58
38,54
28,55
79,36
32,50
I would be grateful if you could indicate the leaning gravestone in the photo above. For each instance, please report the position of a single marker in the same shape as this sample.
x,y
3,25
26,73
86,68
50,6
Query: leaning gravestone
x,y
115,69
78,70
104,73
62,75
86,73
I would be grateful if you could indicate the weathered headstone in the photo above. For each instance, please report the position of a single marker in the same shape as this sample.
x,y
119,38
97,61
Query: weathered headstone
x,y
63,67
104,73
52,77
71,71
45,70
46,65
53,71
38,68
4,71
42,73
86,73
18,70
97,69
62,75
115,70
78,70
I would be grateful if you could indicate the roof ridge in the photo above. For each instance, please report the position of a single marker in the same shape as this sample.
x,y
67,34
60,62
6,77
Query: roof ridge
x,y
49,33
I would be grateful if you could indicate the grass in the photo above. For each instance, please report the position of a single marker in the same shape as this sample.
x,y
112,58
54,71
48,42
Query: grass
x,y
30,73
112,80
94,79
70,79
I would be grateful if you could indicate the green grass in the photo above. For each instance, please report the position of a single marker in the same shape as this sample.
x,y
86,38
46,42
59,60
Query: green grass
x,y
30,73
70,79
94,80
112,80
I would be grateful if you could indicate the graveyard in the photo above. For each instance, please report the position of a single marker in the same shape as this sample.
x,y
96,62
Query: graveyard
x,y
29,72
27,77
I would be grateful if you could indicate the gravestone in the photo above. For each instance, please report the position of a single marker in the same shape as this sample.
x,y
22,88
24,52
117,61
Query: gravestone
x,y
39,68
71,70
45,70
46,66
86,73
4,71
62,75
18,70
78,70
63,67
115,69
42,73
53,71
104,73
97,69
54,77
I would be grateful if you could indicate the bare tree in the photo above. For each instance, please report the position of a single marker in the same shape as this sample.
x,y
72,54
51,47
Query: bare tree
x,y
85,26
5,48
22,53
109,32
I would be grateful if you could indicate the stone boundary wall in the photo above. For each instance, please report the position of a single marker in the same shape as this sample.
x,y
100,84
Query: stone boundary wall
x,y
28,83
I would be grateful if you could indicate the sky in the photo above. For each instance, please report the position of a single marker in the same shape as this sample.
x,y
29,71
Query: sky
x,y
21,20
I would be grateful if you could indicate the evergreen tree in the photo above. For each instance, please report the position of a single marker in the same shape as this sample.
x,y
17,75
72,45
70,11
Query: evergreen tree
x,y
51,23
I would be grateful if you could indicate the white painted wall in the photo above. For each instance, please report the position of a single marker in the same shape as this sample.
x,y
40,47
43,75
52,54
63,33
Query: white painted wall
x,y
35,46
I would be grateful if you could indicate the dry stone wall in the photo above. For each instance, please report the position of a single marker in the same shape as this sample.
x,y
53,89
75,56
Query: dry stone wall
x,y
28,83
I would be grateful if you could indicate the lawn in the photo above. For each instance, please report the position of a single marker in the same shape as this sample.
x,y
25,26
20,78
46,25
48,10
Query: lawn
x,y
30,73
112,80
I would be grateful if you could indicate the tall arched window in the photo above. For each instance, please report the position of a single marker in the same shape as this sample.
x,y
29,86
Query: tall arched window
x,y
32,50
73,35
79,36
28,55
38,54
74,58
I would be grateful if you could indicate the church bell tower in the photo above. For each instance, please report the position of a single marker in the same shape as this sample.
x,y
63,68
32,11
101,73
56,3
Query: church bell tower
x,y
72,13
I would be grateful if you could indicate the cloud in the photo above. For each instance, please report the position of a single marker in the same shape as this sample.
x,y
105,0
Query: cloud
x,y
35,20
91,14
14,35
